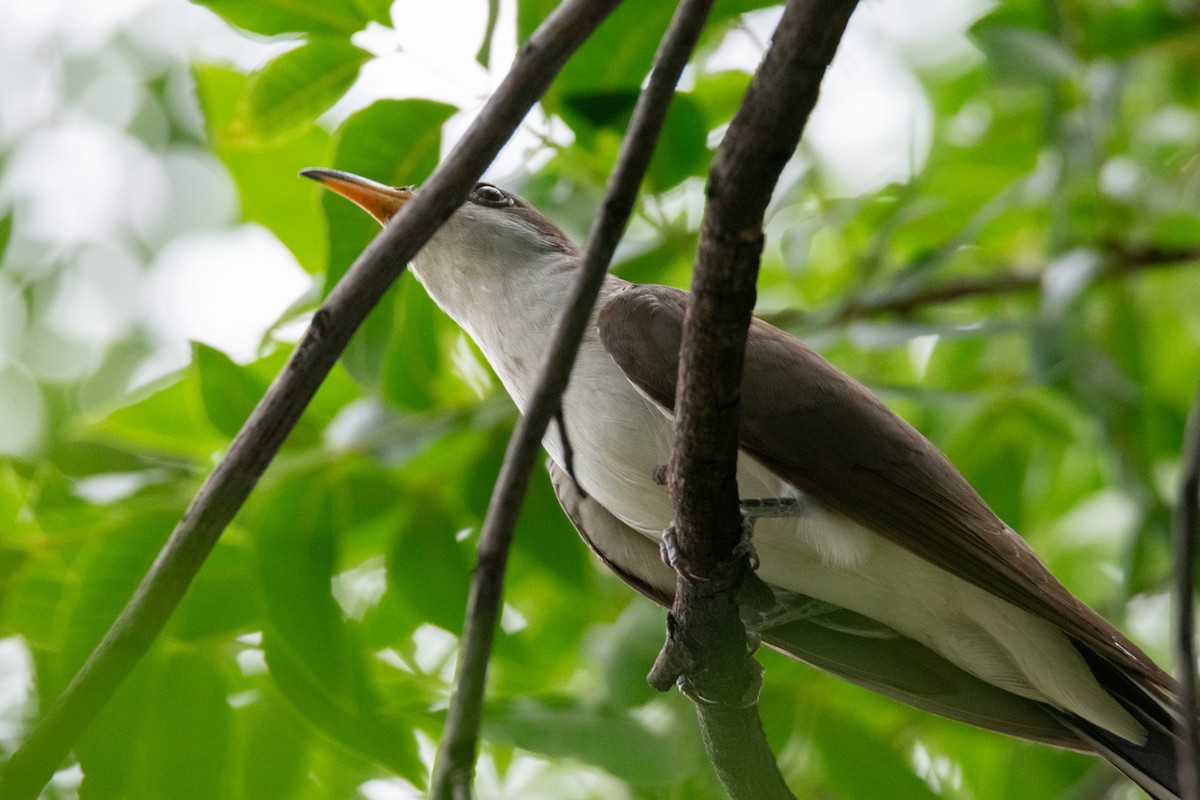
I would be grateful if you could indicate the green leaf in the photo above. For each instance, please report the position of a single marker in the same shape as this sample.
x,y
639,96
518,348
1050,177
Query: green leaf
x,y
618,56
396,142
428,567
229,392
219,90
1121,31
376,10
187,743
313,655
277,749
625,648
599,109
671,256
339,714
485,48
413,360
6,226
611,740
719,93
986,760
273,17
860,762
81,457
545,535
292,90
682,149
1023,55
272,194
297,551
223,600
170,420
110,750
63,604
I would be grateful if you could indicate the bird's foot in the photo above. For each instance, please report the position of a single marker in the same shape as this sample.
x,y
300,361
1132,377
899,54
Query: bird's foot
x,y
672,556
752,511
748,698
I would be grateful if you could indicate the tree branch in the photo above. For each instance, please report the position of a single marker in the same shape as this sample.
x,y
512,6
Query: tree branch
x,y
227,488
706,644
1120,261
1183,644
455,761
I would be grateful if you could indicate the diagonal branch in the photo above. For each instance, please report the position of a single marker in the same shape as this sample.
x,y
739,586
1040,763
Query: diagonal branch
x,y
227,488
1184,640
706,646
456,753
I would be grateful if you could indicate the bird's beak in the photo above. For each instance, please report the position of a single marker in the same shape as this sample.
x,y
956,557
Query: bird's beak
x,y
381,202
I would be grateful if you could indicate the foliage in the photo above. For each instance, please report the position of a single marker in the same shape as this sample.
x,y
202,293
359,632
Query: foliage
x,y
312,657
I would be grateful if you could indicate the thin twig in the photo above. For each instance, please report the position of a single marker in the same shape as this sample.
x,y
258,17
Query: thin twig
x,y
1120,261
455,761
1184,641
706,645
264,432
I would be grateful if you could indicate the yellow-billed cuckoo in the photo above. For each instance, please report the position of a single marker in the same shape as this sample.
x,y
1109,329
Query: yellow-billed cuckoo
x,y
893,573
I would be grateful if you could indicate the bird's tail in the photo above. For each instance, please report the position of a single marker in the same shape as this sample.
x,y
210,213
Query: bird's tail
x,y
1152,764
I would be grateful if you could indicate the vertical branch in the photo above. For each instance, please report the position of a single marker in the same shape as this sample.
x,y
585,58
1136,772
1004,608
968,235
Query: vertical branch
x,y
706,647
227,488
455,760
1184,642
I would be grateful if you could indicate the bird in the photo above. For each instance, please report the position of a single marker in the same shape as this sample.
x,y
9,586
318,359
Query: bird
x,y
892,572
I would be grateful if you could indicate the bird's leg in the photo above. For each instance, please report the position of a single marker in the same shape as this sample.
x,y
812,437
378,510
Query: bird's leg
x,y
754,597
672,556
752,511
750,595
763,508
771,508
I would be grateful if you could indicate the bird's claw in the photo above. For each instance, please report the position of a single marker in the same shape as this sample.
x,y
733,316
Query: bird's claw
x,y
749,696
672,555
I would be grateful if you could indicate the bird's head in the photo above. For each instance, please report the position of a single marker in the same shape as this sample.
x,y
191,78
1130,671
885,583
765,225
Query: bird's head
x,y
493,238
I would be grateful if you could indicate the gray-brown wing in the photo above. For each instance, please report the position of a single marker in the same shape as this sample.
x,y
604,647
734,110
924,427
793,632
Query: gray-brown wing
x,y
893,666
824,433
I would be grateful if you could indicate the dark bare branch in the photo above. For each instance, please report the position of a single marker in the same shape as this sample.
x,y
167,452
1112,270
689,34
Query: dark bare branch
x,y
1184,624
227,488
706,645
456,755
1119,261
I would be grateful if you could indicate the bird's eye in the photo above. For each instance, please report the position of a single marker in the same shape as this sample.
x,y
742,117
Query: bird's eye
x,y
487,195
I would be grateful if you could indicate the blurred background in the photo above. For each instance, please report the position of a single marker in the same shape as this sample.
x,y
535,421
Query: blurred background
x,y
993,221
